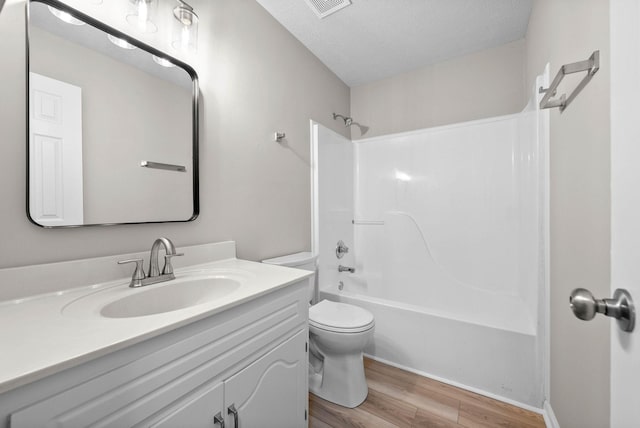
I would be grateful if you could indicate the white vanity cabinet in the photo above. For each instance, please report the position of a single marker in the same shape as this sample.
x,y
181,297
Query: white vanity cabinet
x,y
268,393
272,392
199,410
252,356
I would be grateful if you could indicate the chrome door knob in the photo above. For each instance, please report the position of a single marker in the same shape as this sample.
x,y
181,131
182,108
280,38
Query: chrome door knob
x,y
583,304
620,307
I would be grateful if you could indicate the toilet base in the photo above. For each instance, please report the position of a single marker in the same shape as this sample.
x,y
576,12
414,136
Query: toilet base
x,y
341,380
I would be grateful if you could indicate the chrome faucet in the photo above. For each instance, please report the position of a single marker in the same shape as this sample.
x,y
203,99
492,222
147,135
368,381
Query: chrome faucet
x,y
346,269
169,250
139,278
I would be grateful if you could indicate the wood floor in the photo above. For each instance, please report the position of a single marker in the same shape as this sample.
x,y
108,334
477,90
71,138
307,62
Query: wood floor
x,y
401,399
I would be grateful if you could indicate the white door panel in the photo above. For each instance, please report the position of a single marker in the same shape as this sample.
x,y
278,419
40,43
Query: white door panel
x,y
55,152
625,205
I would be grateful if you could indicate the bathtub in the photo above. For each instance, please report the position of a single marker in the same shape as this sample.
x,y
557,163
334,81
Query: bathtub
x,y
479,356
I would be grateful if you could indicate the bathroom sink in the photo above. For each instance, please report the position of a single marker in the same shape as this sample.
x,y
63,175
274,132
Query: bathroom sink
x,y
121,301
172,296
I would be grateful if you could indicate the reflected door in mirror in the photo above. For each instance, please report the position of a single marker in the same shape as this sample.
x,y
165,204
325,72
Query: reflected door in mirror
x,y
55,138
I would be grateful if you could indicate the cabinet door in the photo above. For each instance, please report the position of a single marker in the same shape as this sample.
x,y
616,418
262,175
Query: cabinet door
x,y
199,410
271,392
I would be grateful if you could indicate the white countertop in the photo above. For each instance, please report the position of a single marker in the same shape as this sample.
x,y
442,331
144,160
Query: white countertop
x,y
37,339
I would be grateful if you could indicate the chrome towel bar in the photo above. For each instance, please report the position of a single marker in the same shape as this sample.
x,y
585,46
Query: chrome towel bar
x,y
591,66
158,165
368,222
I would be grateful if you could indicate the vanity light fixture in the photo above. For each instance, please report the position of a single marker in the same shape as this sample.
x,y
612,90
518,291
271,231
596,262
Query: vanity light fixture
x,y
185,28
141,14
65,16
121,43
163,62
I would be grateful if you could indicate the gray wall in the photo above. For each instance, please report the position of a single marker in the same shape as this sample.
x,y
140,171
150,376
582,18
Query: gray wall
x,y
485,84
563,31
255,79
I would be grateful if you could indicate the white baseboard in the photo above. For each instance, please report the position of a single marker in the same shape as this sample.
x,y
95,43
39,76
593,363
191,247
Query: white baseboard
x,y
549,417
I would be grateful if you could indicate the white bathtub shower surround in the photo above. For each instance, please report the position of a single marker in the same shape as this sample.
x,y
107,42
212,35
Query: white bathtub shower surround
x,y
452,264
448,245
333,196
455,216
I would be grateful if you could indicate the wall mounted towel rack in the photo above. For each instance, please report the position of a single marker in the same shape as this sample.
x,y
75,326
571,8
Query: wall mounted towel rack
x,y
368,222
591,66
166,166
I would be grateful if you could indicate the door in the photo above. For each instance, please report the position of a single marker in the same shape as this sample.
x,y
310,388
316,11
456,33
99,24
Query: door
x,y
55,152
271,392
625,204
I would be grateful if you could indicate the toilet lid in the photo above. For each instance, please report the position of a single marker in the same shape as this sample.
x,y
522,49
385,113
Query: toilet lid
x,y
340,317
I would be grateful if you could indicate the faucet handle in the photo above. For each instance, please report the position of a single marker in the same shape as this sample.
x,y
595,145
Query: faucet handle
x,y
168,268
138,273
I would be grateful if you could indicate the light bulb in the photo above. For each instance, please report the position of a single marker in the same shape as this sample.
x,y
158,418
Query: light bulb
x,y
121,43
141,15
65,16
163,62
184,38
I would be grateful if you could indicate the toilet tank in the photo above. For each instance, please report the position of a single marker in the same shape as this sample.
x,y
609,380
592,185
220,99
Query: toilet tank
x,y
304,260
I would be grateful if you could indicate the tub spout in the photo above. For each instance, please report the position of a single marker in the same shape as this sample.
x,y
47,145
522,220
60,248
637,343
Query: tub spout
x,y
346,269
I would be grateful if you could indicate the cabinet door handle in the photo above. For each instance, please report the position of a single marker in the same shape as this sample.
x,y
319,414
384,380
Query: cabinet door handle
x,y
218,419
232,411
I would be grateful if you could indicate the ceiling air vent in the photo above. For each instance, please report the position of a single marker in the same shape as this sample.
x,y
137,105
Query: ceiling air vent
x,y
324,8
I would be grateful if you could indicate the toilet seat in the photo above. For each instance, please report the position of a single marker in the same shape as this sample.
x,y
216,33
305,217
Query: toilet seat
x,y
340,317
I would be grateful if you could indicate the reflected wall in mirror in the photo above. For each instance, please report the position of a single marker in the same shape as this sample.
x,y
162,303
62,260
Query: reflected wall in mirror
x,y
109,118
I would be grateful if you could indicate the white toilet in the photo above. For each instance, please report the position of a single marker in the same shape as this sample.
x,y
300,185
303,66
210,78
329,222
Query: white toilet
x,y
338,332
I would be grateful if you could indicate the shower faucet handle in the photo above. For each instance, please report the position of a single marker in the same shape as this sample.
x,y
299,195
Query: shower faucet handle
x,y
341,249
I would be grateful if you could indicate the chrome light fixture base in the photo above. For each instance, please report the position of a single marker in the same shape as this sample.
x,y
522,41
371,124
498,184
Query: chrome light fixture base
x,y
185,14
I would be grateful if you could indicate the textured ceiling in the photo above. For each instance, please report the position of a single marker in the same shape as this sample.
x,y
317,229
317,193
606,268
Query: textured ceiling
x,y
374,39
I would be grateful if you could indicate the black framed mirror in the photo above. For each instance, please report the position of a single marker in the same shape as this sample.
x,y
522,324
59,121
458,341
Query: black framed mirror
x,y
112,125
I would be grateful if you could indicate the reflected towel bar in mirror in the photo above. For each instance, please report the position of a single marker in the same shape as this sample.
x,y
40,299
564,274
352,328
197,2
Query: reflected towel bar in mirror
x,y
166,166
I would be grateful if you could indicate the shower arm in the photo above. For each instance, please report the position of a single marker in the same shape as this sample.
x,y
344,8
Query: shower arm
x,y
347,120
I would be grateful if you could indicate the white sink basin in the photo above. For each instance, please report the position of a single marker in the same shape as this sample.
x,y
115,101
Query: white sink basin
x,y
170,297
184,292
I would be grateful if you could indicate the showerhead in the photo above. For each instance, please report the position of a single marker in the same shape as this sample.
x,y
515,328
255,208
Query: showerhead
x,y
347,120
